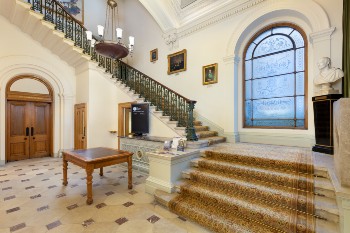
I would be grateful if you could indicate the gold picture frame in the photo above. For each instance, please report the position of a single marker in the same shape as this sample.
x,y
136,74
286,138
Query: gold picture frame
x,y
75,8
177,62
210,74
153,55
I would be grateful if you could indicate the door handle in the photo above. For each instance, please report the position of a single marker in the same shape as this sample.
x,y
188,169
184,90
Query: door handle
x,y
32,129
27,131
84,132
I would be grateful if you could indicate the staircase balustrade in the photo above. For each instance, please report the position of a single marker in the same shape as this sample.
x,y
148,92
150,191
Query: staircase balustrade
x,y
174,105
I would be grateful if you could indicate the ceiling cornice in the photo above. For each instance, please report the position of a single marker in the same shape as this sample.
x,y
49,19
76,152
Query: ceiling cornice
x,y
198,15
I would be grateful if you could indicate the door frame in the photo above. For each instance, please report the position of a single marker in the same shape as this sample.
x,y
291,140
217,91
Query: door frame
x,y
121,120
85,124
30,97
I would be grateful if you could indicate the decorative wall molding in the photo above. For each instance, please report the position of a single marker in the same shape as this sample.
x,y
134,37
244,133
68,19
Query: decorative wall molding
x,y
322,35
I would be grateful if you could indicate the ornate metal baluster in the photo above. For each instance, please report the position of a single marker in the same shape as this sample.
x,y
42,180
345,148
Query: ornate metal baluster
x,y
49,9
190,131
160,105
93,54
37,5
59,19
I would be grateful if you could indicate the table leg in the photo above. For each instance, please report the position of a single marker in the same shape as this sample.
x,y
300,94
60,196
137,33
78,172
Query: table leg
x,y
130,172
89,171
101,171
65,168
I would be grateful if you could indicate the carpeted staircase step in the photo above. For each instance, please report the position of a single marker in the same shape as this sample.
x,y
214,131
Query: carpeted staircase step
x,y
214,218
278,157
279,195
325,208
215,140
274,186
197,123
199,128
278,217
290,179
206,134
322,226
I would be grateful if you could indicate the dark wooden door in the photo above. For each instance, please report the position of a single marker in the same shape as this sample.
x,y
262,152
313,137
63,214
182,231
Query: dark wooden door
x,y
17,130
40,130
80,126
28,130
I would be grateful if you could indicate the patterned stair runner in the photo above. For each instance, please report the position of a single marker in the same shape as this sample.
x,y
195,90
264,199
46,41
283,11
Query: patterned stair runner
x,y
203,133
250,188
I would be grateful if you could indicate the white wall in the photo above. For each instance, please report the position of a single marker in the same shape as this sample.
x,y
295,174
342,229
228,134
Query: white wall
x,y
102,96
21,55
29,85
223,43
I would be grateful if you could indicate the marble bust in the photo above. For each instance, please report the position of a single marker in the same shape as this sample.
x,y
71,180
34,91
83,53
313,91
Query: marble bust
x,y
327,76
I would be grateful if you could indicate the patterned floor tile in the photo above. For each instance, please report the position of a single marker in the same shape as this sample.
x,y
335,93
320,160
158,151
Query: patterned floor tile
x,y
121,221
17,227
153,219
53,225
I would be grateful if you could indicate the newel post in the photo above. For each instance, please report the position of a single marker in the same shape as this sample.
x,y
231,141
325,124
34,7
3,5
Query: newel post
x,y
190,131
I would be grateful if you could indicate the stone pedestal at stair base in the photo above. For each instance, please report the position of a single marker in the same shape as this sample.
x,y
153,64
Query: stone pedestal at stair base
x,y
341,127
165,168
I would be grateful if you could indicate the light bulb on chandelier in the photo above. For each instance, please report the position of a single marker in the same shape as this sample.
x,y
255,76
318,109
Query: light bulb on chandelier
x,y
114,49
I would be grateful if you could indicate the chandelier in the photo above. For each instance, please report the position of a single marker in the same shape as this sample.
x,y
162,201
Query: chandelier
x,y
114,48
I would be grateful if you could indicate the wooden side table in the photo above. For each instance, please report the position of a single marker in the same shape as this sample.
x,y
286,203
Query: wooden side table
x,y
93,158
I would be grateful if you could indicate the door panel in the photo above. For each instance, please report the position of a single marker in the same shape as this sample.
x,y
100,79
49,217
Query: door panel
x,y
40,130
18,141
28,130
80,120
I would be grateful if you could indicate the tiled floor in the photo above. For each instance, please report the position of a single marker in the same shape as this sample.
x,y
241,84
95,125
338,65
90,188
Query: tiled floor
x,y
33,200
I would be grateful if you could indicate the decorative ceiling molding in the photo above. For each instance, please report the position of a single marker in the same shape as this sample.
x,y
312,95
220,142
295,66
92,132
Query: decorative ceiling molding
x,y
196,16
208,20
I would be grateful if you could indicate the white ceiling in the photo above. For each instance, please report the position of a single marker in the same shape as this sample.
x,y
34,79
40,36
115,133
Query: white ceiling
x,y
180,14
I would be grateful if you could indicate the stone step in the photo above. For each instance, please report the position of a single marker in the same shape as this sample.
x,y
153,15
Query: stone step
x,y
324,187
322,226
327,208
321,172
206,134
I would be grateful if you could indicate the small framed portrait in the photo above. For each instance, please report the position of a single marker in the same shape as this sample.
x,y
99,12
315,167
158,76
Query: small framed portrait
x,y
177,62
153,55
210,74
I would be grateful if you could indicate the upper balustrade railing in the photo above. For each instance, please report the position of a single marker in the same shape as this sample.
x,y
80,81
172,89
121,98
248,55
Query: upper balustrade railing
x,y
178,107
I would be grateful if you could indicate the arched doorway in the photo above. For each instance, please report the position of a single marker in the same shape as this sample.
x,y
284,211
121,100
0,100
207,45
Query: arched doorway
x,y
29,120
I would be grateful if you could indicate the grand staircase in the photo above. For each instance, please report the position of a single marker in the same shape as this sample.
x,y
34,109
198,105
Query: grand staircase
x,y
256,188
66,38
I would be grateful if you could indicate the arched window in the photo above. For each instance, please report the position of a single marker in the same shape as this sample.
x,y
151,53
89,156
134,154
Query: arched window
x,y
275,78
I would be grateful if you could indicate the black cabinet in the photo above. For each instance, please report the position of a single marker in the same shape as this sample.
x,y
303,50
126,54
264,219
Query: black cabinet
x,y
323,116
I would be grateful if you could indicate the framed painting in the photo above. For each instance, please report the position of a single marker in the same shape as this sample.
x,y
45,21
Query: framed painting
x,y
154,55
210,74
75,8
177,62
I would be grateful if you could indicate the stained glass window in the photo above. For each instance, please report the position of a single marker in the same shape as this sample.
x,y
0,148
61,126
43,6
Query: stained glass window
x,y
275,79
